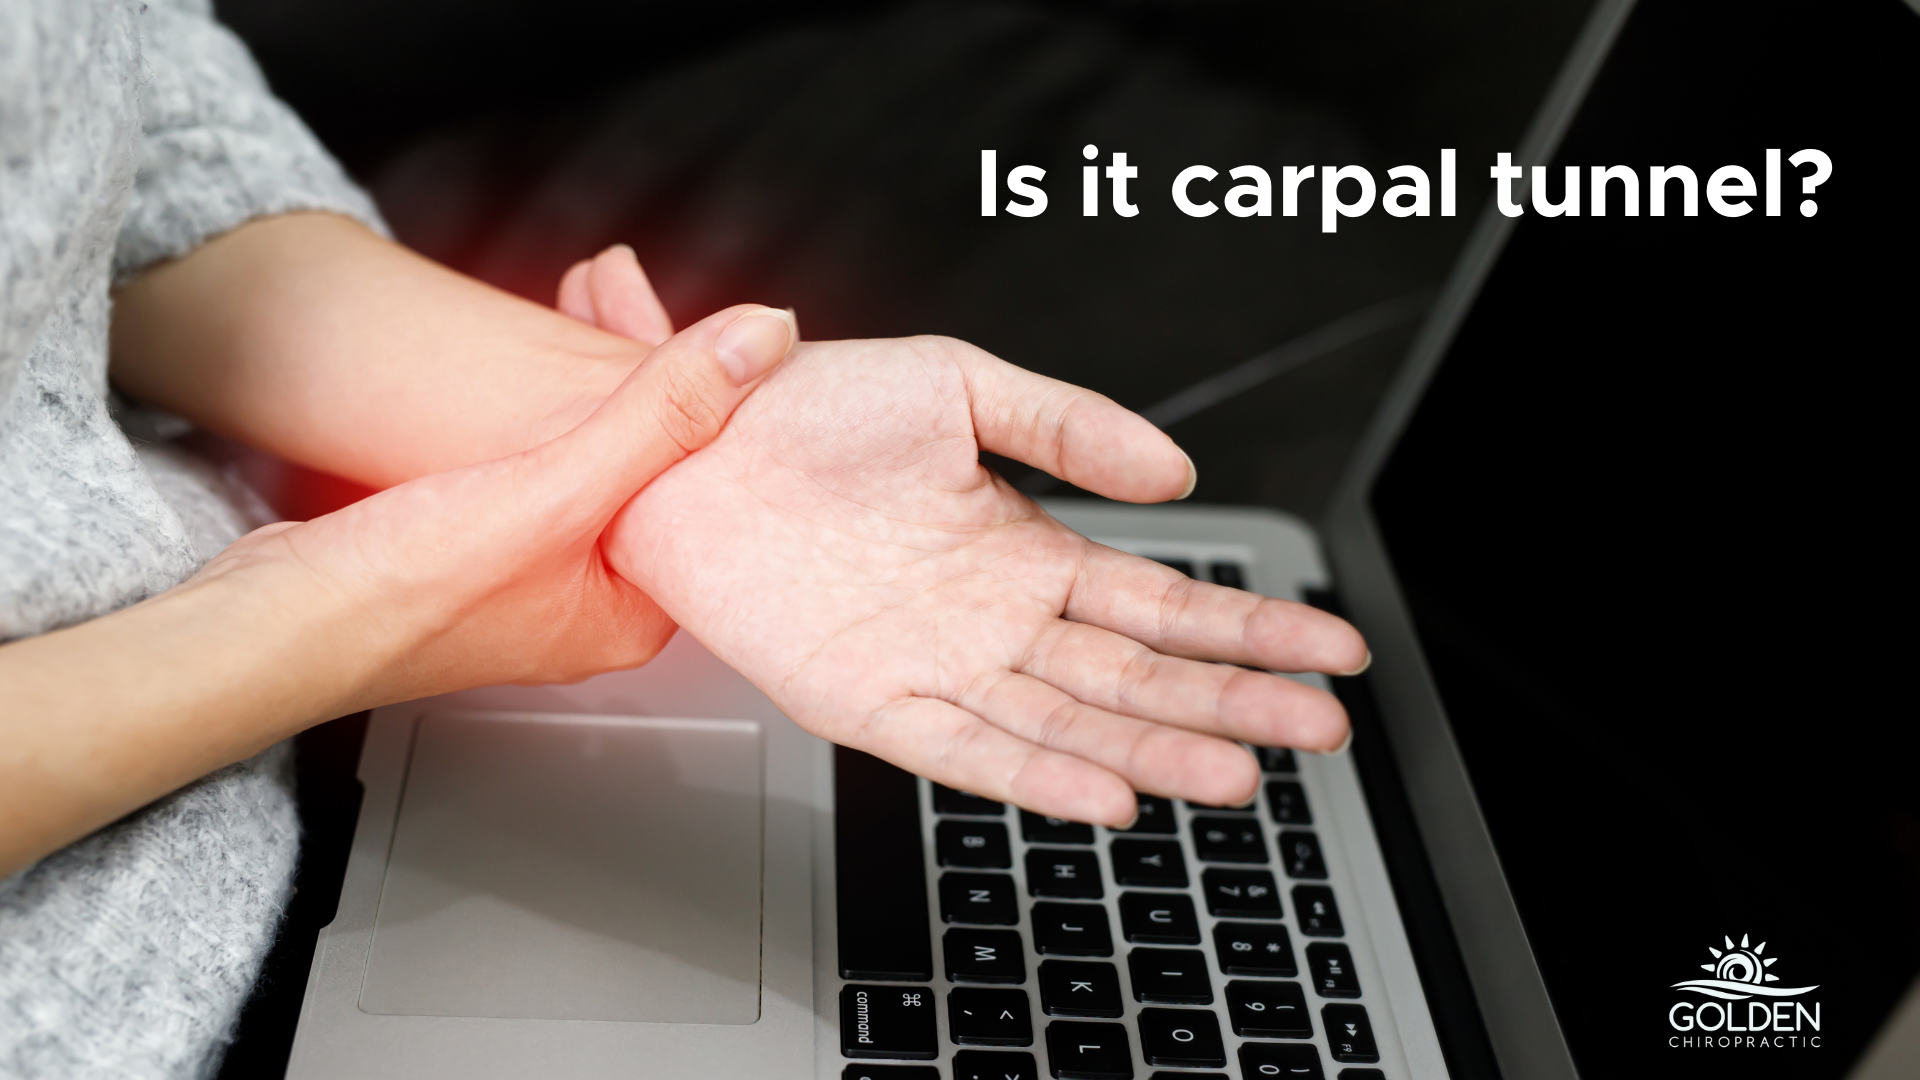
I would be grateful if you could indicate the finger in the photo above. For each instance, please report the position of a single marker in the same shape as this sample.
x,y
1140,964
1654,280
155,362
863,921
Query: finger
x,y
1152,757
623,299
1116,673
1171,613
950,745
1075,434
574,300
673,404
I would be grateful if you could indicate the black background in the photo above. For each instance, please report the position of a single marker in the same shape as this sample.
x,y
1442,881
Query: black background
x,y
1649,521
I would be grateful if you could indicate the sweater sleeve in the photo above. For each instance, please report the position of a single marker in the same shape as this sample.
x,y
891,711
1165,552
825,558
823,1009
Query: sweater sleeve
x,y
218,149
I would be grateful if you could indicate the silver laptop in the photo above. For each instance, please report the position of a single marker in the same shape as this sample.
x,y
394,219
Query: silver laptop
x,y
656,874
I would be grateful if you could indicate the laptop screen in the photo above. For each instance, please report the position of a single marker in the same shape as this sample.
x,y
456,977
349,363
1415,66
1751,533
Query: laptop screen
x,y
1646,521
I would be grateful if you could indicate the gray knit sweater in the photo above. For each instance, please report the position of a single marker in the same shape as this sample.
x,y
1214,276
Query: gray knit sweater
x,y
129,132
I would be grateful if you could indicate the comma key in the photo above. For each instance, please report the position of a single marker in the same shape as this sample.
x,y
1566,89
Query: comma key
x,y
977,1016
888,1022
1084,1051
862,1071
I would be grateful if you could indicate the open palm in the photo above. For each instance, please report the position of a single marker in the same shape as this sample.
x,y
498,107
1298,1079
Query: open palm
x,y
841,546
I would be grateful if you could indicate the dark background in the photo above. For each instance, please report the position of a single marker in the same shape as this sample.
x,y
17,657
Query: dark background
x,y
1648,520
827,157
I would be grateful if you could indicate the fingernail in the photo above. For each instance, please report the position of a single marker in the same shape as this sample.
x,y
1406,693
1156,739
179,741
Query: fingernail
x,y
1344,743
754,343
1193,477
1364,665
794,316
1131,822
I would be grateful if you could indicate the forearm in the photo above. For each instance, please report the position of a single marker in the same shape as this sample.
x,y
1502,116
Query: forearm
x,y
310,337
107,716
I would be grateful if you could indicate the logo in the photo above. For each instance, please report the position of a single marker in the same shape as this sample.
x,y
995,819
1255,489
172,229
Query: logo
x,y
1763,1017
1740,973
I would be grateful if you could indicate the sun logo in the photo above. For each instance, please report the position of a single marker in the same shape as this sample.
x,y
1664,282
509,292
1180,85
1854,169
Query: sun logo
x,y
1740,972
1739,965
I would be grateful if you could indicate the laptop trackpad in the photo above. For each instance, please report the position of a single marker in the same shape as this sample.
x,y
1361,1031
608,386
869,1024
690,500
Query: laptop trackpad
x,y
574,868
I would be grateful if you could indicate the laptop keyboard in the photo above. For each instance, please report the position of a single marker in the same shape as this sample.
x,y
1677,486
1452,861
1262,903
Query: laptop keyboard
x,y
1205,942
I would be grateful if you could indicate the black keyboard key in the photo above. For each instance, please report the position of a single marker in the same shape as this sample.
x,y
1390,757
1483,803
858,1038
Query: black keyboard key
x,y
1185,566
1361,1074
972,843
1300,854
1244,948
1170,976
1349,1035
1071,930
1074,875
1231,840
1241,894
888,1022
994,1065
1053,830
986,899
1287,802
1157,864
1276,759
1227,573
879,870
1331,966
985,956
1282,1061
979,1017
1268,1010
948,801
1184,1038
1080,988
1187,1076
1082,1051
1156,815
1158,919
862,1071
1319,916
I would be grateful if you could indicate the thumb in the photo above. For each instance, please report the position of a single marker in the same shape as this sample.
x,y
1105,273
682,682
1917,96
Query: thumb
x,y
674,403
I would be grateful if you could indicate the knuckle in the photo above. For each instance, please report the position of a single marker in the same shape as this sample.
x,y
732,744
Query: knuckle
x,y
685,412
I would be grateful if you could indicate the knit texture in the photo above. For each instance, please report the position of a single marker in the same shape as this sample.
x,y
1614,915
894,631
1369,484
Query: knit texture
x,y
129,132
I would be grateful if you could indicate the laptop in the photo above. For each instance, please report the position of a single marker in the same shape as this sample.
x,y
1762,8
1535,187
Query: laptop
x,y
1620,797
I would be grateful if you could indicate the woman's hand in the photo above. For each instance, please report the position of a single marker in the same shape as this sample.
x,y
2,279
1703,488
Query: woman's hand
x,y
841,546
484,574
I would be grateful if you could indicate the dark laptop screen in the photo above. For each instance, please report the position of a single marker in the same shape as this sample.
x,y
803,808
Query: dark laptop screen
x,y
1647,520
